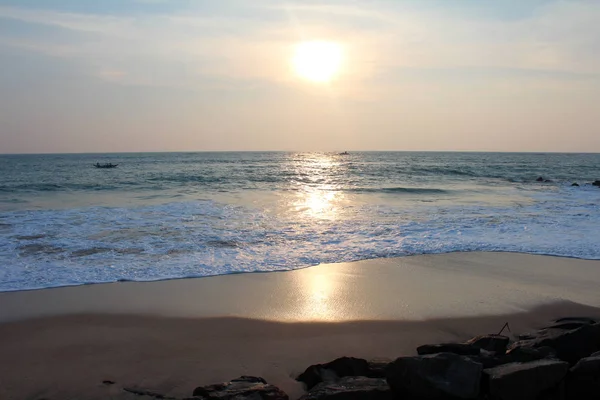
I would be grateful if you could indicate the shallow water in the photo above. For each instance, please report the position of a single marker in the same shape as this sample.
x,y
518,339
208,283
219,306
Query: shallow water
x,y
168,215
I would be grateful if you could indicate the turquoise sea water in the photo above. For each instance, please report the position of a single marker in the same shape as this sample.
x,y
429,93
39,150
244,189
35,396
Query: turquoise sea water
x,y
170,215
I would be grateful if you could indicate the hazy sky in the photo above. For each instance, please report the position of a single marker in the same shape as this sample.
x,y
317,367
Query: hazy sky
x,y
165,75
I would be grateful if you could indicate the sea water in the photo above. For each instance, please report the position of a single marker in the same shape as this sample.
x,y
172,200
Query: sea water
x,y
174,215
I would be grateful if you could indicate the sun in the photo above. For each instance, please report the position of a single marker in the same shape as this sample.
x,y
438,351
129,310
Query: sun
x,y
317,61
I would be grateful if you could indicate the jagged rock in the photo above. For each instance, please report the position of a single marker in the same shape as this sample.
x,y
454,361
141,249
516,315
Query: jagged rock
x,y
575,184
434,376
351,388
495,343
331,371
242,388
461,349
583,381
377,367
524,381
569,345
540,179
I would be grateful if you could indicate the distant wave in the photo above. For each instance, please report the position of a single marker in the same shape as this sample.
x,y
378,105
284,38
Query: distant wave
x,y
50,187
410,190
442,171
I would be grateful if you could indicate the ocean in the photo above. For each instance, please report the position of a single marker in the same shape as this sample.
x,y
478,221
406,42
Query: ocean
x,y
174,215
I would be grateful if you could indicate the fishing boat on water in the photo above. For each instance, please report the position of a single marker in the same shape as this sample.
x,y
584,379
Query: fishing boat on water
x,y
106,165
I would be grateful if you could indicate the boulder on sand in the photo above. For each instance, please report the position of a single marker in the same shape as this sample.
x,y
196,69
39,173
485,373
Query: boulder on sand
x,y
351,388
434,376
242,388
524,381
331,371
377,367
461,349
569,345
583,380
494,343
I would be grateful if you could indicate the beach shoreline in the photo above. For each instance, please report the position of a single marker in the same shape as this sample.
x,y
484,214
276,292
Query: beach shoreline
x,y
172,336
404,288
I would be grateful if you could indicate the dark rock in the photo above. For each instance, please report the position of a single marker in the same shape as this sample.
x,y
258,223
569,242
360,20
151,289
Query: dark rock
x,y
519,354
587,320
489,360
338,368
148,393
596,183
540,179
524,381
461,349
495,343
434,376
244,387
351,388
565,326
249,379
527,354
583,381
377,367
526,336
575,184
569,345
570,323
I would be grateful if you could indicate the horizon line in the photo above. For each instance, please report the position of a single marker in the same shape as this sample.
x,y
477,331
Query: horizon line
x,y
300,151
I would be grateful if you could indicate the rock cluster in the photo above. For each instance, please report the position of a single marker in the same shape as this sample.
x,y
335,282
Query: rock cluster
x,y
558,362
543,180
242,388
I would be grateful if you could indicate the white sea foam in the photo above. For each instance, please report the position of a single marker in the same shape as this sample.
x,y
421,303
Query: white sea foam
x,y
46,248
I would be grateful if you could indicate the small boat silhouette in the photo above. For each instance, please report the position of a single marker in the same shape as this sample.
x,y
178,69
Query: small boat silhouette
x,y
106,165
344,153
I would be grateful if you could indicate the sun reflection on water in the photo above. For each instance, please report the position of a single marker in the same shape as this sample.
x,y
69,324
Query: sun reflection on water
x,y
317,193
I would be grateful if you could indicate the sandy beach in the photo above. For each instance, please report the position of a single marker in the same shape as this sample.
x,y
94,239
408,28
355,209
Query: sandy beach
x,y
172,336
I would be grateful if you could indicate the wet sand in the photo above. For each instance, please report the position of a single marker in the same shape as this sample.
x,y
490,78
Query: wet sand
x,y
172,336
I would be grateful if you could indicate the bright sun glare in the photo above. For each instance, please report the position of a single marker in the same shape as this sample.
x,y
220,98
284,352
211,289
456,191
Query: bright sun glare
x,y
317,61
